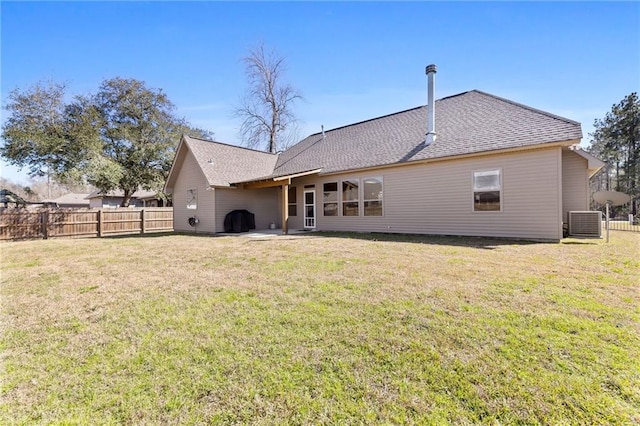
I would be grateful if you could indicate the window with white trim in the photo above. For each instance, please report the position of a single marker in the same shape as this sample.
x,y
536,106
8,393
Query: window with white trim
x,y
351,197
372,196
487,190
192,198
330,198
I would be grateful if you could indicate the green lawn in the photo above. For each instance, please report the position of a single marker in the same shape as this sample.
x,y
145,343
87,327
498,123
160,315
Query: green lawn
x,y
320,329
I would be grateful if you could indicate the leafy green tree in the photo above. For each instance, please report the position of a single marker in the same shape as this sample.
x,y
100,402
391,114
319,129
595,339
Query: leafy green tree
x,y
35,133
136,132
616,140
123,137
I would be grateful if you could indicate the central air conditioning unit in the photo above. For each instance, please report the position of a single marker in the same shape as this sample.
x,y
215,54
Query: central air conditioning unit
x,y
585,224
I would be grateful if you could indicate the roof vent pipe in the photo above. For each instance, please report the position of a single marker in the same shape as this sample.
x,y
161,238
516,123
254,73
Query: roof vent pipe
x,y
431,111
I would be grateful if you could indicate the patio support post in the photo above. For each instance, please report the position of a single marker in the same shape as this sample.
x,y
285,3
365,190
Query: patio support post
x,y
285,208
45,225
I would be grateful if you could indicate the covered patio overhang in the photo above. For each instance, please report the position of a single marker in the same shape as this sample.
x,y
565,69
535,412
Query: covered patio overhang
x,y
277,181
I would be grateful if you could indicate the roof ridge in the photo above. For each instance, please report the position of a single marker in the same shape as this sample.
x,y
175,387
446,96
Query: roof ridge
x,y
366,121
453,96
405,110
229,145
539,111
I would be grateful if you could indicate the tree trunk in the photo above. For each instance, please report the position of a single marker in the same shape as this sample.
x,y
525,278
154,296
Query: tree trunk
x,y
126,198
274,129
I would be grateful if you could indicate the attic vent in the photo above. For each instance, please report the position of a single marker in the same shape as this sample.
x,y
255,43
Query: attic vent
x,y
585,224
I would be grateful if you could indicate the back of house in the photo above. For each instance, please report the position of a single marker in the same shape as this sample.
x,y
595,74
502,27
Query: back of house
x,y
471,164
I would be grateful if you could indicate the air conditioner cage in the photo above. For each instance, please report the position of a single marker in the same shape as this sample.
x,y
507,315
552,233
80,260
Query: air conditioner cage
x,y
585,224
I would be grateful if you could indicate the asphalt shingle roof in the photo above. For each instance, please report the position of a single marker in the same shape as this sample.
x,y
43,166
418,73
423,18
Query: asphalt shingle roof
x,y
71,198
141,193
224,164
471,122
467,123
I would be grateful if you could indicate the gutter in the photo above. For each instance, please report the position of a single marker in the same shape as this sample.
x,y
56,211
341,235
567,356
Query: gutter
x,y
567,143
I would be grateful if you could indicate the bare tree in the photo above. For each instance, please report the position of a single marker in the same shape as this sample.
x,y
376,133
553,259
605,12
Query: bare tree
x,y
266,109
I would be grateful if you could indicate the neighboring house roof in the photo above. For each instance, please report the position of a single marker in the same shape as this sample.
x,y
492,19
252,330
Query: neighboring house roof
x,y
7,197
468,123
71,199
141,194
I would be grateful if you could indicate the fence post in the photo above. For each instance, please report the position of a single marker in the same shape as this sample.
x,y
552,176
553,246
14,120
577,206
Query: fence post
x,y
99,223
142,224
45,224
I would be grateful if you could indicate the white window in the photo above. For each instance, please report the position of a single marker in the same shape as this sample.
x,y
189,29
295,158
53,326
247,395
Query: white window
x,y
350,197
487,190
373,196
192,198
330,199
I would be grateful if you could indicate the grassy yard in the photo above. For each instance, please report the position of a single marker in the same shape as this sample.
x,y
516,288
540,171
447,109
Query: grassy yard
x,y
321,329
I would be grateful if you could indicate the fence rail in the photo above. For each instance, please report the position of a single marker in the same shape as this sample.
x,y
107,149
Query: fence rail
x,y
632,225
18,224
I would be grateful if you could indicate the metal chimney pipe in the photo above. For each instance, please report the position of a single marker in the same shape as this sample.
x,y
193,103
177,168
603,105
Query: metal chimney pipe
x,y
431,111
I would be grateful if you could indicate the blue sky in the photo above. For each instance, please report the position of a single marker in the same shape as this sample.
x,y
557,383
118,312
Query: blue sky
x,y
351,60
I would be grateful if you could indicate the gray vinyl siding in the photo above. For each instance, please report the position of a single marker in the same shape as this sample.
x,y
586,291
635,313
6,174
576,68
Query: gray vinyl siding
x,y
107,202
95,203
263,203
191,177
437,198
112,202
575,183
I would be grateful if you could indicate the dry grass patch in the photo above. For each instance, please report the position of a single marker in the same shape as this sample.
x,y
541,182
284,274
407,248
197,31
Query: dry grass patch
x,y
326,328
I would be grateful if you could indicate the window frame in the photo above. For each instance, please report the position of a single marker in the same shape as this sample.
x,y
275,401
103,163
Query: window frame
x,y
365,200
192,199
294,204
344,202
326,202
500,190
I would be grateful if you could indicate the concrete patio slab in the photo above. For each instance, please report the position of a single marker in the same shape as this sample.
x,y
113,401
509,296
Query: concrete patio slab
x,y
264,233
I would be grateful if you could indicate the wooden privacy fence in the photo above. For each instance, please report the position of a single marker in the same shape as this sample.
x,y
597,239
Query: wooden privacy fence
x,y
24,224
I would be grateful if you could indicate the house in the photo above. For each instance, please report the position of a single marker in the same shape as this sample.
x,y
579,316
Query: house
x,y
11,199
471,164
113,199
70,200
